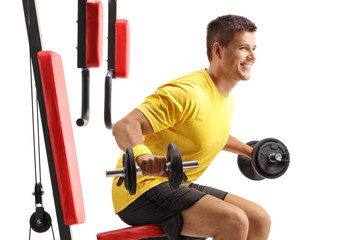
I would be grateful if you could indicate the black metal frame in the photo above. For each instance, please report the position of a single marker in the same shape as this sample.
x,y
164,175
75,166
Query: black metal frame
x,y
85,98
111,35
81,63
81,43
33,33
111,63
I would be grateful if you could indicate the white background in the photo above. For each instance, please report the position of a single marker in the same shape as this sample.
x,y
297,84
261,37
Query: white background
x,y
303,91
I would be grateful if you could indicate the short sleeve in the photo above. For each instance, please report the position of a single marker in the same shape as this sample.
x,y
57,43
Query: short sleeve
x,y
172,104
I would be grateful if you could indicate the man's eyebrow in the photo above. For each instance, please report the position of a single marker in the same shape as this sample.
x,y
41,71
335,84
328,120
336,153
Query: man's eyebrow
x,y
246,45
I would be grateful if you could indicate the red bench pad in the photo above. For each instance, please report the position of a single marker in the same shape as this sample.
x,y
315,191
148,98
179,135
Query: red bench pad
x,y
122,48
94,33
132,233
61,137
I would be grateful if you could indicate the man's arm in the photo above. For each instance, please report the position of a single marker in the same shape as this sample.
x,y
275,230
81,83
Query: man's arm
x,y
235,146
128,132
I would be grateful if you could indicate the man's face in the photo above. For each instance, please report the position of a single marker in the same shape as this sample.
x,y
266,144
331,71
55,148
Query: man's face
x,y
238,57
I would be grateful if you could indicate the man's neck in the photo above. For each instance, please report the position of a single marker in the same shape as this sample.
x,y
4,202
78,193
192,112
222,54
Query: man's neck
x,y
222,83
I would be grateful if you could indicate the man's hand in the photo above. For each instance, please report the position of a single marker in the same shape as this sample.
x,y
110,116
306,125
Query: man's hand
x,y
152,165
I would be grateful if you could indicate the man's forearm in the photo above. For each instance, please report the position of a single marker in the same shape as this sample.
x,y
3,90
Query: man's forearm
x,y
127,133
236,146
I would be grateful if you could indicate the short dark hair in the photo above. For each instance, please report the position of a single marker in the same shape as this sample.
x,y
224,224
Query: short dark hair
x,y
222,30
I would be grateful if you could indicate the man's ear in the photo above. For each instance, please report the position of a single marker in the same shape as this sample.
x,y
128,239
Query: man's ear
x,y
217,50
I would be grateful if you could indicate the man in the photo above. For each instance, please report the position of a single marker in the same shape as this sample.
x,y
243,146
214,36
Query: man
x,y
194,112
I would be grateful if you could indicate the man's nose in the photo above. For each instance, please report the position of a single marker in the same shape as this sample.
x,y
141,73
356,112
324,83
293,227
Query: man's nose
x,y
252,55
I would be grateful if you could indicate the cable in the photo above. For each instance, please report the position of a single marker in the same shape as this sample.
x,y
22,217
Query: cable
x,y
38,134
33,118
37,160
40,221
52,230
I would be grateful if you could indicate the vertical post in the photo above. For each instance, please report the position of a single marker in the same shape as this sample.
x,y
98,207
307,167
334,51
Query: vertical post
x,y
81,41
111,63
81,63
33,32
111,36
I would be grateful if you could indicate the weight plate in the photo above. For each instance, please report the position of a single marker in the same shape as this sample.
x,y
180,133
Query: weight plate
x,y
130,171
126,167
176,167
261,162
246,167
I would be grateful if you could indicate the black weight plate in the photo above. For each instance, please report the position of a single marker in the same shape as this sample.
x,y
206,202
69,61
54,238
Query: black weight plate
x,y
260,158
126,166
44,226
246,167
130,171
176,167
252,143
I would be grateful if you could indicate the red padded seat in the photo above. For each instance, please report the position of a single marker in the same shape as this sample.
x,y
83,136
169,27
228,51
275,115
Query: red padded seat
x,y
94,33
61,137
132,233
122,48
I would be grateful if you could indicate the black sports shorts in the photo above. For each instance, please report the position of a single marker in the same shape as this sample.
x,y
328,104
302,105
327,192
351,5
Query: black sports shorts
x,y
162,206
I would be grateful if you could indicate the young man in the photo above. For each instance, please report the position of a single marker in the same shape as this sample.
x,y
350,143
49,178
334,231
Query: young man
x,y
194,112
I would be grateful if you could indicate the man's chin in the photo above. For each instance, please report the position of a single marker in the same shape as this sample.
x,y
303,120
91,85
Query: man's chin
x,y
245,78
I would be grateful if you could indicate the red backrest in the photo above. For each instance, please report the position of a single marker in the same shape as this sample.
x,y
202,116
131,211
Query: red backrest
x,y
62,137
94,33
122,48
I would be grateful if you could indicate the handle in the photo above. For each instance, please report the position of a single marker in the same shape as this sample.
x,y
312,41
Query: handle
x,y
120,172
85,99
107,107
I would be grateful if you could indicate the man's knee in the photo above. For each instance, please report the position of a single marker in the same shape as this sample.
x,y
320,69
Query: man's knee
x,y
212,217
261,220
237,221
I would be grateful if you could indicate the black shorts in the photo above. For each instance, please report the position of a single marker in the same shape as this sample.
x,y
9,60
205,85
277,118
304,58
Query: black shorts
x,y
163,206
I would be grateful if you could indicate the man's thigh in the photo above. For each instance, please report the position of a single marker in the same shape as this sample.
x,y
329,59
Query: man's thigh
x,y
208,210
164,207
203,219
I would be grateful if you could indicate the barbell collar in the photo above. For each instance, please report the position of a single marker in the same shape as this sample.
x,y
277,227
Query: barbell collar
x,y
278,157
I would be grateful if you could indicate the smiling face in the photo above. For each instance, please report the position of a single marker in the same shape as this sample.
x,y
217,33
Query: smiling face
x,y
236,60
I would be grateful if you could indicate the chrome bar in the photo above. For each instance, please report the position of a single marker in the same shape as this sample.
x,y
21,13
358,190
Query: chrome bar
x,y
120,172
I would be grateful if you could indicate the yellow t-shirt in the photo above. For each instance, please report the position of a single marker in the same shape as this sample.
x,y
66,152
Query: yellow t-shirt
x,y
189,112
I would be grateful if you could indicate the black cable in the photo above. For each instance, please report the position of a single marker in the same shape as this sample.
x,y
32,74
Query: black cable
x,y
38,186
37,127
52,230
38,133
33,118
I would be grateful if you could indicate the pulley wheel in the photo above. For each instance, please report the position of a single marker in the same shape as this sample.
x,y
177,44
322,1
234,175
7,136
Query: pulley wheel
x,y
38,225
